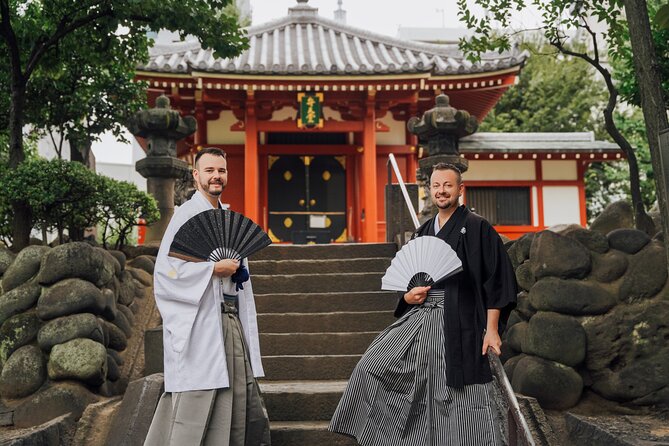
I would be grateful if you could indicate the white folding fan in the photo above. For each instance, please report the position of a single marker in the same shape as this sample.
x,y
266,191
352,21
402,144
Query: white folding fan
x,y
218,234
421,262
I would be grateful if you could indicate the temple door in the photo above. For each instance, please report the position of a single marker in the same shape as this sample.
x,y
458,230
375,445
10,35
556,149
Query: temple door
x,y
307,198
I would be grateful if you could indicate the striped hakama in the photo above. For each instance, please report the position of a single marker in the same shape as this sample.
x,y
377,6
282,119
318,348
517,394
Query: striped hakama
x,y
397,394
233,416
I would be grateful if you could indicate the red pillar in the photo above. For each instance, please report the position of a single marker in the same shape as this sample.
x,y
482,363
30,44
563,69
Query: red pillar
x,y
370,224
251,174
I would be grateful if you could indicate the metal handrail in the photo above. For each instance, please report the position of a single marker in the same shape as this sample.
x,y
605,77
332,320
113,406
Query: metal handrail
x,y
516,420
405,193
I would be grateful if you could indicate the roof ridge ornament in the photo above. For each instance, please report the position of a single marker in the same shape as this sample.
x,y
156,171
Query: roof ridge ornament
x,y
303,9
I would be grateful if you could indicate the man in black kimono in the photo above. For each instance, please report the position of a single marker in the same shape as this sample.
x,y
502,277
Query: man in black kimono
x,y
425,379
480,300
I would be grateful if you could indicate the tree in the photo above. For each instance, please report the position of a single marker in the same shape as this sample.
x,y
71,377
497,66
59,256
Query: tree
x,y
92,91
555,93
566,20
609,182
32,32
652,98
121,207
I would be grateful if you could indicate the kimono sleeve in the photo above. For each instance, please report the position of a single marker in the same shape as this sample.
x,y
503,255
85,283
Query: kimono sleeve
x,y
499,287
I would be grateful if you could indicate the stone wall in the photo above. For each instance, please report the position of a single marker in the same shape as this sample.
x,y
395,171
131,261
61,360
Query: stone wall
x,y
66,314
593,314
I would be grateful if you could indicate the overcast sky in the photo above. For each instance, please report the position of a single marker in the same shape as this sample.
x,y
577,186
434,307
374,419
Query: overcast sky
x,y
381,16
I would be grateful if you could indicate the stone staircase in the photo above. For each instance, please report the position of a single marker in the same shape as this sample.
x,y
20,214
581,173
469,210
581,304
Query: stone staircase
x,y
319,307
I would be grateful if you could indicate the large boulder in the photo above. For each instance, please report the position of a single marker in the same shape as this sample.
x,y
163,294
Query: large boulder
x,y
627,352
6,259
125,287
629,241
81,359
110,311
70,296
516,335
523,305
608,267
576,297
116,337
593,240
51,402
142,276
524,276
112,260
120,257
17,331
24,267
144,262
555,337
24,373
646,274
554,385
18,300
121,321
66,328
510,365
78,260
616,215
129,315
520,250
552,254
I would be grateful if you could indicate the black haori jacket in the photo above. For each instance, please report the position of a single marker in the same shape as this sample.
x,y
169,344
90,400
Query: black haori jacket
x,y
487,281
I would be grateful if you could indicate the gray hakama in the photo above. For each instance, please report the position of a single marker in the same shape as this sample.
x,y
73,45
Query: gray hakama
x,y
233,416
397,394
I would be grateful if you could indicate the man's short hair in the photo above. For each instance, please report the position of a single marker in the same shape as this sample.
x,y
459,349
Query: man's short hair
x,y
447,166
209,151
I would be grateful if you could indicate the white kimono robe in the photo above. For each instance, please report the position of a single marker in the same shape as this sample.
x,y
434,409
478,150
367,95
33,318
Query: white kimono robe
x,y
188,298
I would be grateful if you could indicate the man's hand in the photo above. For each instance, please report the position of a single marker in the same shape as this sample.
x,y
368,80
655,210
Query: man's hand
x,y
492,339
225,267
416,295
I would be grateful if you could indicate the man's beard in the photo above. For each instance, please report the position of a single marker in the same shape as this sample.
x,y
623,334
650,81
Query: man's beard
x,y
450,202
206,188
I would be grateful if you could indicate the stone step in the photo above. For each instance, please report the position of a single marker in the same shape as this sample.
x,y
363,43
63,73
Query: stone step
x,y
326,302
303,433
309,367
301,400
317,266
316,283
274,344
337,322
322,252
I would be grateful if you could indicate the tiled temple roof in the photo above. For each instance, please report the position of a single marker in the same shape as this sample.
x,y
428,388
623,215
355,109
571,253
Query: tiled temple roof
x,y
304,43
536,142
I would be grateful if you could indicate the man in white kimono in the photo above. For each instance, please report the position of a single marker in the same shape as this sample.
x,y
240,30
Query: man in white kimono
x,y
210,336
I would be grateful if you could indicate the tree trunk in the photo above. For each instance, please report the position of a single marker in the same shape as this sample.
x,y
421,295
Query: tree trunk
x,y
652,98
22,219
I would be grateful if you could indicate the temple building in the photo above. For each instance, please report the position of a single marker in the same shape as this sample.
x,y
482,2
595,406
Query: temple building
x,y
310,112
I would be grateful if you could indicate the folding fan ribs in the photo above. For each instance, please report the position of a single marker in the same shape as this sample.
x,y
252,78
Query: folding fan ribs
x,y
423,261
218,234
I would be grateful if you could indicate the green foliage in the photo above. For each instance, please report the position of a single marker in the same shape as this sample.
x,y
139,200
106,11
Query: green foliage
x,y
60,194
606,183
121,207
66,195
564,21
555,93
623,64
75,59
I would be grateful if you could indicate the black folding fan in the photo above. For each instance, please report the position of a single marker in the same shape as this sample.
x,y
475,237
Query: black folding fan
x,y
218,234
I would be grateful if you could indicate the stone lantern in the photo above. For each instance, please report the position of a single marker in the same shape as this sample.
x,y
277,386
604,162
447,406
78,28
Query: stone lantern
x,y
162,127
439,131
